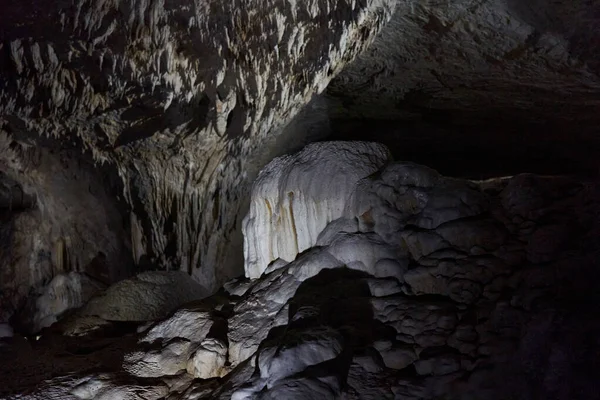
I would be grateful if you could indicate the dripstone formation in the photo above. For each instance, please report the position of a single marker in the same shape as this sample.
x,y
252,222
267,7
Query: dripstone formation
x,y
279,199
424,287
139,126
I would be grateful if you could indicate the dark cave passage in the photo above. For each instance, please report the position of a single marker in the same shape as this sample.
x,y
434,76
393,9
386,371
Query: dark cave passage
x,y
484,149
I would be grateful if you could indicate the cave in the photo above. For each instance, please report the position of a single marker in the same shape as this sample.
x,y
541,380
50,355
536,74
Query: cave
x,y
328,199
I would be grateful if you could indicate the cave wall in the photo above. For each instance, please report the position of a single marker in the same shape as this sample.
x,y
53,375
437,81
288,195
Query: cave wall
x,y
537,60
479,88
73,223
170,100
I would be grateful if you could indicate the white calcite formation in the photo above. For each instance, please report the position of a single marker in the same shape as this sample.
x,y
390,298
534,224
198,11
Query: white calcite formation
x,y
296,196
426,287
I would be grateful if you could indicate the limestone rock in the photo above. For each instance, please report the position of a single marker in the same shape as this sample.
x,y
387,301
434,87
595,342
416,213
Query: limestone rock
x,y
168,346
65,292
146,297
163,110
94,388
405,303
441,365
169,359
398,357
265,305
296,351
293,201
341,225
475,62
208,361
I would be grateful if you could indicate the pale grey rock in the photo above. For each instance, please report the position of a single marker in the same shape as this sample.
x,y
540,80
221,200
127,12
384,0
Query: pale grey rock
x,y
423,280
340,225
170,359
262,309
105,389
209,360
275,265
370,362
449,201
440,365
363,384
464,339
392,268
190,324
178,383
6,331
173,345
429,387
410,174
313,262
101,386
296,351
464,235
421,322
389,201
363,252
81,325
462,280
365,316
384,287
325,388
73,224
422,244
237,286
265,305
148,296
65,292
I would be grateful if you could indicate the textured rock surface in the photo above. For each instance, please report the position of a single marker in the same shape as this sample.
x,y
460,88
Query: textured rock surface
x,y
478,58
64,293
296,196
147,296
153,114
72,223
130,131
444,288
479,89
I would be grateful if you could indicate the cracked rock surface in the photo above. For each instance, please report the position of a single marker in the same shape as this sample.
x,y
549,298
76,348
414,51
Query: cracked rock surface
x,y
426,287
